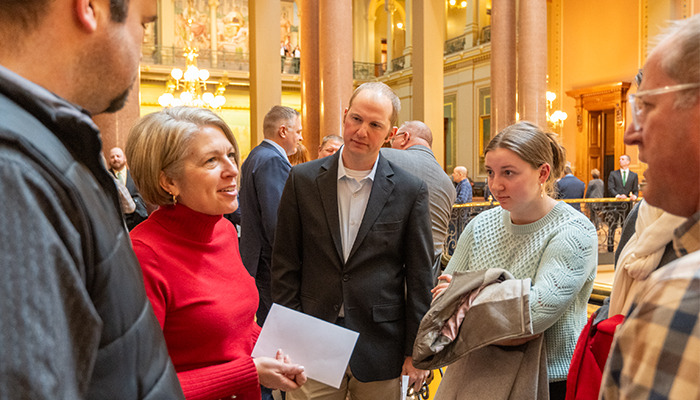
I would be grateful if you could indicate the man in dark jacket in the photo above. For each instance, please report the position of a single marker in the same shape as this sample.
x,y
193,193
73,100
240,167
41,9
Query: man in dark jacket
x,y
118,168
75,322
570,187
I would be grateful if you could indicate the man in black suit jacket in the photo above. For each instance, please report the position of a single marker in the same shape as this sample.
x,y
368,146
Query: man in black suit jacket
x,y
353,246
262,179
570,187
626,186
118,168
622,184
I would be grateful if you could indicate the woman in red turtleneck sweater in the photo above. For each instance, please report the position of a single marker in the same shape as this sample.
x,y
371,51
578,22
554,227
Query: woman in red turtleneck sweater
x,y
185,160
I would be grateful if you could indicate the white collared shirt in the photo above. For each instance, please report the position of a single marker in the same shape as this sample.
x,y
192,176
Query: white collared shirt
x,y
354,188
278,147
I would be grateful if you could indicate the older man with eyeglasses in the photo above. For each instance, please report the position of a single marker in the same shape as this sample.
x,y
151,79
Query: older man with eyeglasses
x,y
656,353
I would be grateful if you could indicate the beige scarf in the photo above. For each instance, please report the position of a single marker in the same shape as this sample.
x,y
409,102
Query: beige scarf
x,y
641,255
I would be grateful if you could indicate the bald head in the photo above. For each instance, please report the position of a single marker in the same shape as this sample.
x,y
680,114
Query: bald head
x,y
412,133
459,174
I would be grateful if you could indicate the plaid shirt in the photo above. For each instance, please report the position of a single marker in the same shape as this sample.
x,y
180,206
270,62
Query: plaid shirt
x,y
656,352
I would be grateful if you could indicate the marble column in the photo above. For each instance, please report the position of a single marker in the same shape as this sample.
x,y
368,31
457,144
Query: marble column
x,y
114,128
408,28
471,28
309,73
428,44
389,37
532,62
335,66
265,71
502,65
213,5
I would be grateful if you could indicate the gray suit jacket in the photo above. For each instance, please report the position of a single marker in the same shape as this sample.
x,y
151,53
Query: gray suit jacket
x,y
420,161
384,286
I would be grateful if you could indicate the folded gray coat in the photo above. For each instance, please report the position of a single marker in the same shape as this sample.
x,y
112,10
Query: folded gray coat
x,y
479,370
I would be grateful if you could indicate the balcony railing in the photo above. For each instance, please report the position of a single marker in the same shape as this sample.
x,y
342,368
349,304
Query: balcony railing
x,y
607,215
173,56
456,45
363,71
485,36
397,64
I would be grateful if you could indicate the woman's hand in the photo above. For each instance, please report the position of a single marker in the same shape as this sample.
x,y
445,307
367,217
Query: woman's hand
x,y
441,286
279,372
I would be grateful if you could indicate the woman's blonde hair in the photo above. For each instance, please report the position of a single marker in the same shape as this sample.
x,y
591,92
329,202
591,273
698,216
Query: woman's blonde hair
x,y
159,142
534,146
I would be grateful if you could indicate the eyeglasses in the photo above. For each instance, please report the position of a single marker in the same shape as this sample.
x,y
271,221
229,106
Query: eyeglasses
x,y
396,136
638,106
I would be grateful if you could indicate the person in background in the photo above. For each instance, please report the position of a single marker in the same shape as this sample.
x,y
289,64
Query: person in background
x,y
623,183
570,187
118,168
75,322
301,156
464,187
655,351
412,151
263,175
329,145
533,236
186,161
595,186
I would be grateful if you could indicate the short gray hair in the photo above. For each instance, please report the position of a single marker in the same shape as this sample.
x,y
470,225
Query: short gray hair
x,y
680,58
277,116
420,130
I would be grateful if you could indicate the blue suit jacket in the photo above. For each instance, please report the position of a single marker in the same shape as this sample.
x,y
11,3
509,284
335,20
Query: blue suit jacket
x,y
570,187
384,286
262,180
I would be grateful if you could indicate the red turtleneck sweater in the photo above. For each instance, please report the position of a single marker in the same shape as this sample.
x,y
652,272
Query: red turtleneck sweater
x,y
204,299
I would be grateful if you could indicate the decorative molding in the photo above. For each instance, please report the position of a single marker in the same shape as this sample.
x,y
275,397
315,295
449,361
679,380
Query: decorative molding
x,y
601,97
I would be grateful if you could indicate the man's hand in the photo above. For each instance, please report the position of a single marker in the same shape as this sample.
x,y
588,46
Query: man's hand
x,y
416,377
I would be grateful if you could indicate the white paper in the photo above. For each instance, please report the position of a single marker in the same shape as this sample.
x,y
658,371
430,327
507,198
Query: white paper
x,y
404,386
322,348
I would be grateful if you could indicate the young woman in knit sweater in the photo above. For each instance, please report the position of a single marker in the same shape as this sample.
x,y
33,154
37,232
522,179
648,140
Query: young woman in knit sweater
x,y
534,236
186,161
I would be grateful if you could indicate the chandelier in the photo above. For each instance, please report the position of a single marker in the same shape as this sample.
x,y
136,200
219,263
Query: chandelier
x,y
453,3
189,87
555,118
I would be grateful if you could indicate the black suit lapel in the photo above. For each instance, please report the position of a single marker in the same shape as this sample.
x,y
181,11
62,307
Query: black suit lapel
x,y
382,186
327,186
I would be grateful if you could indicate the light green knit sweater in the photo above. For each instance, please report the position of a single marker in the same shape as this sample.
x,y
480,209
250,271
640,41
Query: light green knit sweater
x,y
558,252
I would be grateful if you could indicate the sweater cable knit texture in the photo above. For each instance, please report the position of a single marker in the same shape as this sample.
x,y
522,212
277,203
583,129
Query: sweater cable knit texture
x,y
559,253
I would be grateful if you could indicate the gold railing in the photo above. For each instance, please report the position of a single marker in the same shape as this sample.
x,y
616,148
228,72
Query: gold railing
x,y
607,215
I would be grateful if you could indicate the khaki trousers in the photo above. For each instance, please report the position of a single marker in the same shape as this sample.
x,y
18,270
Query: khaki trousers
x,y
350,389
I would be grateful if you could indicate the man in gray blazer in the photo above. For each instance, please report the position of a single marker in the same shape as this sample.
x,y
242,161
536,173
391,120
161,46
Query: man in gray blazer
x,y
411,150
353,246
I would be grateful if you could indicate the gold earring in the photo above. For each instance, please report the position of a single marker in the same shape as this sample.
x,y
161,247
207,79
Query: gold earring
x,y
174,198
542,190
